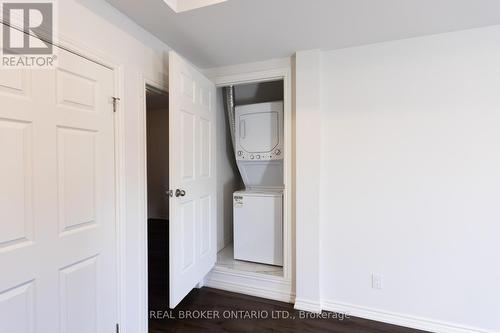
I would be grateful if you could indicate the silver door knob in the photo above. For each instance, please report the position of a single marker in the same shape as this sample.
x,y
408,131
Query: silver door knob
x,y
180,193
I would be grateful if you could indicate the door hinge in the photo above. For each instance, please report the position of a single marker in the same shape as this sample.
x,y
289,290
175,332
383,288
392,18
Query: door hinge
x,y
117,328
115,101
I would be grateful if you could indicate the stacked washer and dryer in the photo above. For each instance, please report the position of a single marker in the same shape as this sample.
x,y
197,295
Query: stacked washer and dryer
x,y
258,208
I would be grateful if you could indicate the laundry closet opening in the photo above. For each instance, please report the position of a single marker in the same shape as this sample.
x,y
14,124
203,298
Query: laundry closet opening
x,y
157,143
250,172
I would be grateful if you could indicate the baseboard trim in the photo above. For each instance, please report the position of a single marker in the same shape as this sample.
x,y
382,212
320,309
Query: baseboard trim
x,y
307,305
398,319
238,282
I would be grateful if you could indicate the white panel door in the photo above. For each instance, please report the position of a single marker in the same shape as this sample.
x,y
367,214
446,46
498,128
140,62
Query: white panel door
x,y
192,177
57,223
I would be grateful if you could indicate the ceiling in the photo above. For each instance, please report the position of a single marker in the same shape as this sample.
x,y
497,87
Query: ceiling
x,y
239,31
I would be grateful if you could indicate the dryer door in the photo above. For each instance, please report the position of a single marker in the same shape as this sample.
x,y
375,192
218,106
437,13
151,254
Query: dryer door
x,y
258,132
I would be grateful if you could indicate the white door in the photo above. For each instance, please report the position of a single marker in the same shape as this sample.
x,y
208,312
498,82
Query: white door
x,y
192,177
57,210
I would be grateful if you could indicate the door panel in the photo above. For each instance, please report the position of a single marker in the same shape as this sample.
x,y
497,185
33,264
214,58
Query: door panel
x,y
188,245
16,309
76,177
192,169
187,130
16,192
14,82
57,223
79,297
205,147
204,228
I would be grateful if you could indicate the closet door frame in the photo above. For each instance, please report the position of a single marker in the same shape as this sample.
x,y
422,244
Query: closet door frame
x,y
283,286
161,86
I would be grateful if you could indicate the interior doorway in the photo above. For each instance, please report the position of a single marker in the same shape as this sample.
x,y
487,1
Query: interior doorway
x,y
157,148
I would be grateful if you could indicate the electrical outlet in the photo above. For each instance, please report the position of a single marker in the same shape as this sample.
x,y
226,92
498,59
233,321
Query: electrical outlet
x,y
376,281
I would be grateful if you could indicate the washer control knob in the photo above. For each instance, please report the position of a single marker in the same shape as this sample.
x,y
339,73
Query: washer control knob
x,y
251,157
277,152
240,153
258,157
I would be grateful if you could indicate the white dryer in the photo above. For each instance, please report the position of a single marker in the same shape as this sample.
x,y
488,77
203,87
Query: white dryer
x,y
258,210
259,144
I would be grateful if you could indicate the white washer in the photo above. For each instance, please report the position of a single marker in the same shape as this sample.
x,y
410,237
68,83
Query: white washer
x,y
258,210
258,227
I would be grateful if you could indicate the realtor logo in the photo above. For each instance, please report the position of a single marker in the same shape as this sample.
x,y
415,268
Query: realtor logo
x,y
27,33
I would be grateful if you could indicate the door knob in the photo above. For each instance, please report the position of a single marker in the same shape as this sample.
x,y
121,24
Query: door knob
x,y
180,193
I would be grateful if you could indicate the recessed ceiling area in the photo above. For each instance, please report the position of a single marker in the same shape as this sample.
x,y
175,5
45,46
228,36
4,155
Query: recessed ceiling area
x,y
185,5
239,31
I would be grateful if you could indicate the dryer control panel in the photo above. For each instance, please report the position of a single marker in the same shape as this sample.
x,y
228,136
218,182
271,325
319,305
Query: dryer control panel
x,y
276,154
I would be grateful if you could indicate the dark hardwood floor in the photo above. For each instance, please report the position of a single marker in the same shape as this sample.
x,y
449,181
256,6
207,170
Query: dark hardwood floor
x,y
158,263
212,302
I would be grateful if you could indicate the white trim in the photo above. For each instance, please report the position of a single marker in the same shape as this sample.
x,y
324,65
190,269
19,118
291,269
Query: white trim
x,y
258,286
120,191
283,73
251,77
307,305
252,275
252,67
399,319
144,81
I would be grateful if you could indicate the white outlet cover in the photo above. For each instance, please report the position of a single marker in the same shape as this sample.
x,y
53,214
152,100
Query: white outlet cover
x,y
377,281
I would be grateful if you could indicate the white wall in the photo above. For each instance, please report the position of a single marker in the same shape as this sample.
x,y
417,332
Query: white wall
x,y
307,142
97,25
411,180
